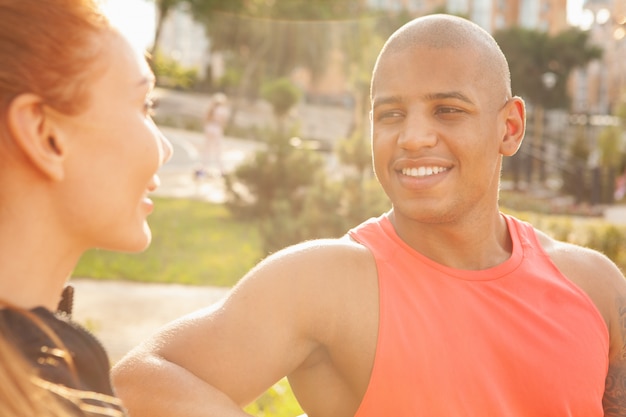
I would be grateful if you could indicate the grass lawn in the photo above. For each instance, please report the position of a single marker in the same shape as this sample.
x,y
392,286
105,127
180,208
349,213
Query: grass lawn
x,y
193,242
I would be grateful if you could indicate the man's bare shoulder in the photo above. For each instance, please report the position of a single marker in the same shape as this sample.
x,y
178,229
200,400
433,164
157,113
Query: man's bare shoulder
x,y
592,271
316,260
602,280
317,270
580,263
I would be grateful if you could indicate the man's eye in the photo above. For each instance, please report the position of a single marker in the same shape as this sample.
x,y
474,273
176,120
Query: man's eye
x,y
448,110
389,115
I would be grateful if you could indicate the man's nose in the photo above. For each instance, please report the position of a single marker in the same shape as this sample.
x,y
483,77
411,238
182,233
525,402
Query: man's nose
x,y
418,132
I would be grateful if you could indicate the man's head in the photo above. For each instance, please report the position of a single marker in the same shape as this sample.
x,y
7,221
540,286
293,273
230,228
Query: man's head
x,y
442,118
451,32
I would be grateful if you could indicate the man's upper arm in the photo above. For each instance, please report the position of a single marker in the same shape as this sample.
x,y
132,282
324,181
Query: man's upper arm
x,y
607,287
268,325
604,283
614,401
243,345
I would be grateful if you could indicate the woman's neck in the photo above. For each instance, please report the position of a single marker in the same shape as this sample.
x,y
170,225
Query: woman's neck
x,y
35,264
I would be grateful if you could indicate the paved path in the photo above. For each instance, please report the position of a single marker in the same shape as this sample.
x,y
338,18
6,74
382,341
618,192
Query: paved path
x,y
122,314
176,176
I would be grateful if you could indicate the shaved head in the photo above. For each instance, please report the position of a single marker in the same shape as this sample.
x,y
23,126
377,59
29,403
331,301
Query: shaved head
x,y
440,31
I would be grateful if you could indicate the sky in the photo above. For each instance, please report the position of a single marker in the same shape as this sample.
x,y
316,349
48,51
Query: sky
x,y
136,18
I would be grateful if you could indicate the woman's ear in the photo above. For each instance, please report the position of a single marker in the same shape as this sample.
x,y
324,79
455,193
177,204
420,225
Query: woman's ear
x,y
34,134
515,113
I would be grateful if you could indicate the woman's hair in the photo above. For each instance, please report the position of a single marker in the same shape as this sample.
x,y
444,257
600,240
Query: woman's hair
x,y
48,48
24,393
20,394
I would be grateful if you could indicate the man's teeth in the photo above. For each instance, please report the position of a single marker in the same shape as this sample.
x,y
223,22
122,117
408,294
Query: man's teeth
x,y
423,171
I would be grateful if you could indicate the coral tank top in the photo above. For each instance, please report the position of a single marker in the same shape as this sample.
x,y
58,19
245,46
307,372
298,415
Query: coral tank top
x,y
518,339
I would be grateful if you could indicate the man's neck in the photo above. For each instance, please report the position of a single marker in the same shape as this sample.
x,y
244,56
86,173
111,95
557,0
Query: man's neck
x,y
469,244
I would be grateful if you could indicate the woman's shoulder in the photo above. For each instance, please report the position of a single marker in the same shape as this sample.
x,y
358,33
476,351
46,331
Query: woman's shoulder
x,y
62,351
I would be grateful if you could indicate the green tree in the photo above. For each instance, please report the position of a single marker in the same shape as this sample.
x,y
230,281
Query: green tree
x,y
163,8
532,54
282,95
268,39
574,179
611,156
171,73
540,66
272,187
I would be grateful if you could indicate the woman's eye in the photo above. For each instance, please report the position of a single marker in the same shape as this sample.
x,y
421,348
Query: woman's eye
x,y
149,105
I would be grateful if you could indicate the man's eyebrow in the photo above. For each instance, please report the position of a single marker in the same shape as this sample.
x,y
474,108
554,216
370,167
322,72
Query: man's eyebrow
x,y
386,100
427,97
447,95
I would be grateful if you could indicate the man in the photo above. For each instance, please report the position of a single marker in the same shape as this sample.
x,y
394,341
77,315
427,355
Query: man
x,y
441,307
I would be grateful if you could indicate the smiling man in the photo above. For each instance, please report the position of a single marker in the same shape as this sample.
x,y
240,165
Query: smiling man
x,y
443,306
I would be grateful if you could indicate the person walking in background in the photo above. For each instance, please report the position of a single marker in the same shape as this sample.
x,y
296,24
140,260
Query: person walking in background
x,y
216,120
79,155
443,306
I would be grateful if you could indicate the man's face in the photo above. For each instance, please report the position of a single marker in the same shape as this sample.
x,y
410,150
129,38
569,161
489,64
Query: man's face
x,y
436,133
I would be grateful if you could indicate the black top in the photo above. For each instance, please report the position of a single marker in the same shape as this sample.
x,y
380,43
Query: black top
x,y
90,361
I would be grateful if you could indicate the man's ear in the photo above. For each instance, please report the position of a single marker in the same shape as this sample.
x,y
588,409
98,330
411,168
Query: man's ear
x,y
33,133
515,113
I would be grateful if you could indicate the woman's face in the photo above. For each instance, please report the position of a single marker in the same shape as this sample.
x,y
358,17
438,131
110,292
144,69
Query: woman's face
x,y
113,151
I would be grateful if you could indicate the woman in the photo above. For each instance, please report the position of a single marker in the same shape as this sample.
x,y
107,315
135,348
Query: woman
x,y
211,151
78,155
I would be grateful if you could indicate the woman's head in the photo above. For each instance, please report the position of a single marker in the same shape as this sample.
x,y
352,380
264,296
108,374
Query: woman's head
x,y
75,125
47,48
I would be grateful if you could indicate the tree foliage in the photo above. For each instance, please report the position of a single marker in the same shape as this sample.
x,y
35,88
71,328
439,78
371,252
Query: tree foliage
x,y
282,94
272,37
163,10
532,54
272,188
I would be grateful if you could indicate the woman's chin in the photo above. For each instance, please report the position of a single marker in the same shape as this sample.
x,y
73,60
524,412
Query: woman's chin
x,y
137,243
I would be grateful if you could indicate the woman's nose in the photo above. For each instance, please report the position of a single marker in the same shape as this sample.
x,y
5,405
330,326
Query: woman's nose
x,y
166,148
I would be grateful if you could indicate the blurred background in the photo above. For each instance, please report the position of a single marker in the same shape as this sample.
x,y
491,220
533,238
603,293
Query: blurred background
x,y
296,152
313,60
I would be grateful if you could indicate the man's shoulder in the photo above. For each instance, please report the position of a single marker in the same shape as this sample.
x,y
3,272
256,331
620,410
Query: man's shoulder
x,y
590,270
328,252
331,285
311,263
582,258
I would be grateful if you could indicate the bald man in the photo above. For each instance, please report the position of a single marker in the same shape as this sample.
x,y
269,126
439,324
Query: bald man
x,y
442,306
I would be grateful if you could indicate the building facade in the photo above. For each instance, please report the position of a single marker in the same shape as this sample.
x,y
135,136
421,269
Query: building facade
x,y
600,87
548,15
596,89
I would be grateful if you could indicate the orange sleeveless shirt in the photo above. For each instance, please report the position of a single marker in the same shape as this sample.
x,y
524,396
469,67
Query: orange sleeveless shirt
x,y
518,339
